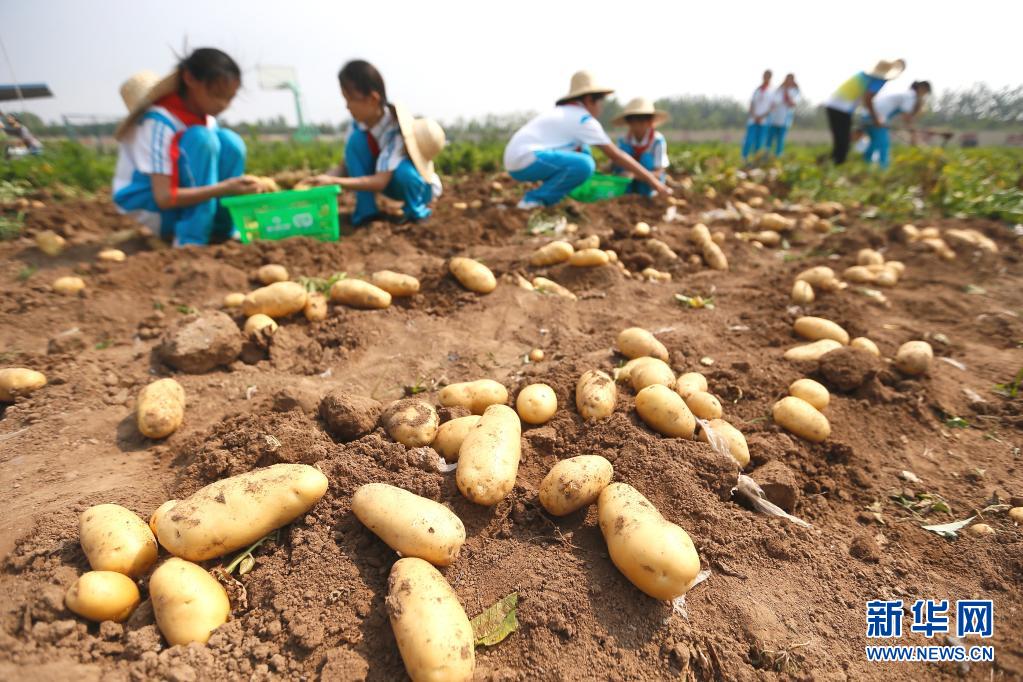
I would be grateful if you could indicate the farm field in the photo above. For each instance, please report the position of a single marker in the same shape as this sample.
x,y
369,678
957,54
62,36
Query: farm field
x,y
782,600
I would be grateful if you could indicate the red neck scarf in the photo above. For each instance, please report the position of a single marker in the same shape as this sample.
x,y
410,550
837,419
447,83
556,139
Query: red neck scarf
x,y
648,141
174,104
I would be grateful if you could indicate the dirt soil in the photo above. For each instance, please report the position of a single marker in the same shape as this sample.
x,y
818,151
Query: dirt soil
x,y
782,601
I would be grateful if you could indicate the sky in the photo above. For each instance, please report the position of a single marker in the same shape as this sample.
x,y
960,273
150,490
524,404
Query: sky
x,y
451,58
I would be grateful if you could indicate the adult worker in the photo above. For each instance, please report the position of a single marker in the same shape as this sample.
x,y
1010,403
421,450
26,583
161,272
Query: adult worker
x,y
858,90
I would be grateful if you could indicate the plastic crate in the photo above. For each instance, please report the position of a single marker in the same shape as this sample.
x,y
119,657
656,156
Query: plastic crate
x,y
279,215
599,187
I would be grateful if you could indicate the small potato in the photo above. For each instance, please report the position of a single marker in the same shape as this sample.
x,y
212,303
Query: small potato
x,y
641,229
473,275
355,293
817,328
981,530
811,391
704,405
161,408
590,242
821,278
547,286
896,266
863,343
451,434
1016,514
719,237
475,396
68,286
654,275
574,483
315,307
732,437
50,243
651,371
802,292
410,524
19,381
188,602
488,460
116,539
268,274
258,322
886,278
536,403
714,256
276,300
523,283
612,256
930,233
396,284
801,418
767,237
656,555
665,412
430,626
699,235
776,222
112,255
588,258
910,232
690,383
595,395
235,299
660,250
551,254
103,595
914,358
869,257
636,342
859,274
810,352
536,355
411,422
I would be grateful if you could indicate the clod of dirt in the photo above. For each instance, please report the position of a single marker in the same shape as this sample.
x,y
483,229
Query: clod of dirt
x,y
198,344
296,398
291,350
70,341
446,414
779,484
349,416
865,548
846,369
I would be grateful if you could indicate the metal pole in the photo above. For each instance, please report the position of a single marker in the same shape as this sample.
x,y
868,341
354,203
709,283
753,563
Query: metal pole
x,y
14,77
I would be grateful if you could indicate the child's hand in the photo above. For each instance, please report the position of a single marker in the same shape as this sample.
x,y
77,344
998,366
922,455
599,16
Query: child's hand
x,y
245,184
663,189
319,180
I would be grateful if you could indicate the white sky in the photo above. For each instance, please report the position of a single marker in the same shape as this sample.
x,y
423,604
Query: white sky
x,y
451,58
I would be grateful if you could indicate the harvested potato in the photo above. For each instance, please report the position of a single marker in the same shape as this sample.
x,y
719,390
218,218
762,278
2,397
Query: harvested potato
x,y
460,205
258,322
719,237
19,381
690,383
714,256
116,539
356,293
451,434
704,405
536,403
396,284
732,439
914,358
488,460
574,483
588,258
612,256
235,512
869,257
886,278
650,371
68,286
161,408
475,396
765,237
911,233
523,283
188,602
817,328
103,595
551,254
235,299
595,395
859,274
430,626
641,229
663,410
590,242
315,309
279,299
411,422
776,222
112,255
811,391
981,530
268,274
636,342
930,232
809,352
50,243
821,278
656,555
410,524
802,292
473,275
863,343
1016,514
536,355
699,235
547,286
801,418
154,518
654,275
896,266
623,373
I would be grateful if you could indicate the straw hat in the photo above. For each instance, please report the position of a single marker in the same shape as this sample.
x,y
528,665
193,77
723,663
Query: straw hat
x,y
583,83
888,70
140,92
423,137
643,107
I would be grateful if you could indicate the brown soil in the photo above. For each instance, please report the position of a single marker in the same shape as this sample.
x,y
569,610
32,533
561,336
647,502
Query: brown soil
x,y
781,601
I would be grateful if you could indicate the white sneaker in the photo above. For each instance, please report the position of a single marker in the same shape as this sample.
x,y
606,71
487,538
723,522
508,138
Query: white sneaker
x,y
528,205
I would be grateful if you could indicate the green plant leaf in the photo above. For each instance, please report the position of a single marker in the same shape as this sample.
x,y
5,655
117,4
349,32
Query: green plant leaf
x,y
496,622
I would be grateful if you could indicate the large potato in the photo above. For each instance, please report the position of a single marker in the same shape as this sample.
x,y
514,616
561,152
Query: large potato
x,y
689,383
103,595
801,418
536,403
859,274
704,405
488,460
574,483
817,328
68,286
258,322
714,256
656,555
475,396
914,358
451,434
811,391
663,410
863,343
395,283
161,408
355,293
430,626
411,422
589,258
279,299
410,524
235,512
188,602
595,395
636,342
820,277
116,539
650,371
473,275
733,438
811,351
550,254
268,274
315,309
18,381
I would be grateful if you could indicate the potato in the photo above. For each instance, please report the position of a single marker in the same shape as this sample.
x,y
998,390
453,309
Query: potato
x,y
536,355
910,232
315,309
488,460
665,412
766,237
641,229
411,422
103,595
914,358
612,256
574,483
656,555
732,437
802,292
886,278
719,237
1016,514
536,403
161,408
896,266
651,371
776,222
355,293
523,283
235,512
863,343
820,278
690,383
654,275
624,372
547,286
714,256
410,524
276,300
595,395
699,235
112,255
116,539
550,254
268,274
154,518
859,274
660,250
811,351
430,626
817,328
869,257
811,391
451,434
801,418
396,284
68,286
258,322
50,243
19,381
475,396
588,258
590,242
188,602
704,405
235,299
636,342
980,530
473,275
930,233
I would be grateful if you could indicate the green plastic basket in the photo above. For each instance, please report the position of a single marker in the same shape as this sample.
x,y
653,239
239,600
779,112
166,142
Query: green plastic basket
x,y
599,187
279,215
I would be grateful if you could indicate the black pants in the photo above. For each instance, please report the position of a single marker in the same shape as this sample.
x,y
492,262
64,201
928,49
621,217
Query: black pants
x,y
840,123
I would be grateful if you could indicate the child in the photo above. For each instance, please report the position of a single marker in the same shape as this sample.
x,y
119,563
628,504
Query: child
x,y
386,149
554,146
174,162
643,142
887,107
861,88
756,126
783,109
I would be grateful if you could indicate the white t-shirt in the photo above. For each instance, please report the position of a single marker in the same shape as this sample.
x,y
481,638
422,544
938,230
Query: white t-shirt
x,y
391,145
781,113
760,103
895,104
563,128
658,147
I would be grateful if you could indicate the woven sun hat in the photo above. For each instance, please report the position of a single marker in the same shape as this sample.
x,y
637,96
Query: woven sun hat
x,y
640,106
141,91
886,70
583,83
424,139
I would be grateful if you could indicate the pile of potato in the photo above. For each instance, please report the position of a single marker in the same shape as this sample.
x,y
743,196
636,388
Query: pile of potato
x,y
800,412
944,244
871,268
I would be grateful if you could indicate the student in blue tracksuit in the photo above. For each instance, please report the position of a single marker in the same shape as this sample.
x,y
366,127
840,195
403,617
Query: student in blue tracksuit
x,y
643,142
905,105
783,109
756,124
